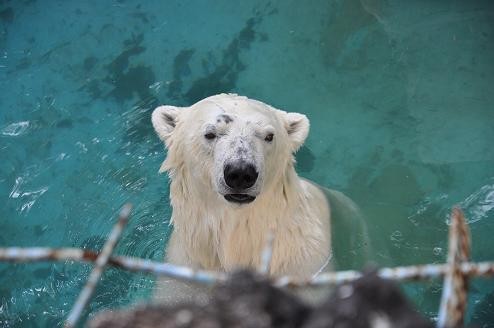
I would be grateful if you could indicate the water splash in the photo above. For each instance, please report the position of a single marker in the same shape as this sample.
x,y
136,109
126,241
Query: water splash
x,y
430,206
27,197
480,204
15,129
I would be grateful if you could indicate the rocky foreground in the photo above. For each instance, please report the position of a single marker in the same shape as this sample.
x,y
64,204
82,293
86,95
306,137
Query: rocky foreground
x,y
248,300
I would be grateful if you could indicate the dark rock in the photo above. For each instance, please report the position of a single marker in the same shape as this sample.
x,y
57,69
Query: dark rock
x,y
363,304
248,300
245,301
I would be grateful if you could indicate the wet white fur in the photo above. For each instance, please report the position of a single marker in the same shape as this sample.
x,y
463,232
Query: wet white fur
x,y
211,233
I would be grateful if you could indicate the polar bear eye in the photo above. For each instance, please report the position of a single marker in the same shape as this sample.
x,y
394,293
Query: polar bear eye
x,y
269,137
210,136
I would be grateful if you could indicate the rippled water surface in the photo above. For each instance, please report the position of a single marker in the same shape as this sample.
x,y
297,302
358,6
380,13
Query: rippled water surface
x,y
399,94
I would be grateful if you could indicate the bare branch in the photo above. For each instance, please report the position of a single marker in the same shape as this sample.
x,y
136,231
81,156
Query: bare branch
x,y
267,254
454,295
99,267
456,271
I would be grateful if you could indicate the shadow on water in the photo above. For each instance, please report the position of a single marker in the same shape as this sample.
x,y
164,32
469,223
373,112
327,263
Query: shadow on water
x,y
217,77
126,80
305,160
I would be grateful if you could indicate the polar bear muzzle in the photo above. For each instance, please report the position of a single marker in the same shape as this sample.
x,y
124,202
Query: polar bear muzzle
x,y
239,176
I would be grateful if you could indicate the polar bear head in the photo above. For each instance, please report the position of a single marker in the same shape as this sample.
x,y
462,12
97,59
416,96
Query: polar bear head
x,y
229,145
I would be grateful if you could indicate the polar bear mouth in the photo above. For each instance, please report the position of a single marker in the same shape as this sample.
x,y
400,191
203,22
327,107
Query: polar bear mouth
x,y
239,198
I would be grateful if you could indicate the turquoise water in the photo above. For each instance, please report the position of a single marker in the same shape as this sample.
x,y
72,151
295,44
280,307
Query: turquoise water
x,y
399,94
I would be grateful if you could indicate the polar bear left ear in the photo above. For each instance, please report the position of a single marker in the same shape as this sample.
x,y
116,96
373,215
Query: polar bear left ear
x,y
297,125
164,119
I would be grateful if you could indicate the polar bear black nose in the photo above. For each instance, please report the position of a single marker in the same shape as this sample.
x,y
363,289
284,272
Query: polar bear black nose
x,y
240,175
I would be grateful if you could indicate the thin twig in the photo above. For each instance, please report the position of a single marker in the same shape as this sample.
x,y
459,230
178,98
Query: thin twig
x,y
267,254
35,254
454,294
454,288
406,273
99,267
202,277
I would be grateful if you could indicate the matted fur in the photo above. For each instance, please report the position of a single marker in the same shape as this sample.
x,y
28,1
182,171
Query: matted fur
x,y
211,233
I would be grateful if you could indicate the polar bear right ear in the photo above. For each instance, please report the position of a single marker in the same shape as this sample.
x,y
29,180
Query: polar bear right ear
x,y
297,125
164,119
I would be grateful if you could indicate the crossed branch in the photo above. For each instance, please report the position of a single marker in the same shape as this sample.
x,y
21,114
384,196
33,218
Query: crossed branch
x,y
456,271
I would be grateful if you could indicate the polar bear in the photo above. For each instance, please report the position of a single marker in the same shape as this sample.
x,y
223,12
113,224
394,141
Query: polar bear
x,y
231,165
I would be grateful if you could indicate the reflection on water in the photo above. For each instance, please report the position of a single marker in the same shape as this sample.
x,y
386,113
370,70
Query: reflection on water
x,y
480,204
398,95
